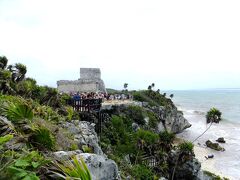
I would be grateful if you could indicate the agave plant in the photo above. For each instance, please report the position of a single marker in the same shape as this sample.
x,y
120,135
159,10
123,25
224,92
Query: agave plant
x,y
73,169
16,112
42,138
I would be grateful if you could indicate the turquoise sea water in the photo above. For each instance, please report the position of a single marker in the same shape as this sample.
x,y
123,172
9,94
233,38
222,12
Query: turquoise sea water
x,y
200,101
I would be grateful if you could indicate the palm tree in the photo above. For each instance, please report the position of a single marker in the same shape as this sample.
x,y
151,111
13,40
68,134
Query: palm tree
x,y
171,95
18,72
5,80
158,91
149,88
3,62
125,86
153,85
164,94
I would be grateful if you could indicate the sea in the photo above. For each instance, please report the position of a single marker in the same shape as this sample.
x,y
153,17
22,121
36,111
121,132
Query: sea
x,y
200,101
195,104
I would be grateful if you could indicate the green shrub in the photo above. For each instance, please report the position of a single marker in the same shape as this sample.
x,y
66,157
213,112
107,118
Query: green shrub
x,y
141,172
17,112
166,137
73,169
153,121
74,147
213,115
5,138
214,176
43,138
70,112
87,149
147,136
26,166
186,147
152,97
137,114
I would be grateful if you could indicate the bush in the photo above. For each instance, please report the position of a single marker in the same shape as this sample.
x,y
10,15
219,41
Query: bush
x,y
147,136
137,114
87,149
43,138
153,121
142,172
26,166
166,137
186,147
213,115
152,97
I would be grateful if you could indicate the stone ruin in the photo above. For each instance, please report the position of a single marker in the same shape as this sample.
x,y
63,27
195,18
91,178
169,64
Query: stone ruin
x,y
90,81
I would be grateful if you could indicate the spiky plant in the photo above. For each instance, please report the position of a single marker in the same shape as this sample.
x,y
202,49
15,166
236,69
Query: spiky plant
x,y
73,169
42,138
16,112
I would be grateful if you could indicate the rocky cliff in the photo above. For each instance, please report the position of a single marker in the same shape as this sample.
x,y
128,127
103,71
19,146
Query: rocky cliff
x,y
170,118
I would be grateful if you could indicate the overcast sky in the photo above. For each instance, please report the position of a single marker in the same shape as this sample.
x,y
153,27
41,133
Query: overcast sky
x,y
175,44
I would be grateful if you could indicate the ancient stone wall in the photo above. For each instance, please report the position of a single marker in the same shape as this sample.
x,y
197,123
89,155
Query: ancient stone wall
x,y
90,81
90,73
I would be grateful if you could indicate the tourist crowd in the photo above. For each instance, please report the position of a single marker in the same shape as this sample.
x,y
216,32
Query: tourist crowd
x,y
100,95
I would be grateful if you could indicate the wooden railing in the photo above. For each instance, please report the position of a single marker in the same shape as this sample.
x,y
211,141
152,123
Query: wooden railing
x,y
150,161
86,105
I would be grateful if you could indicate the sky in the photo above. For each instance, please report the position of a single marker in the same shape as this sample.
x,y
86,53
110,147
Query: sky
x,y
175,44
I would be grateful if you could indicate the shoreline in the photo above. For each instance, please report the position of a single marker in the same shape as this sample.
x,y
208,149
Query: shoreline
x,y
225,164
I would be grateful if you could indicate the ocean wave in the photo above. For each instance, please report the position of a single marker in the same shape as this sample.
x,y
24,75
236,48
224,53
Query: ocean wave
x,y
192,111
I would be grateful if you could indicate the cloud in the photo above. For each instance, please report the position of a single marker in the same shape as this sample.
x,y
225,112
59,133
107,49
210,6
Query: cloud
x,y
177,44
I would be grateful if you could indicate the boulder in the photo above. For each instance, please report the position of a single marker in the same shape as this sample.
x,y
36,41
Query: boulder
x,y
171,119
101,168
214,146
64,155
186,170
84,134
221,140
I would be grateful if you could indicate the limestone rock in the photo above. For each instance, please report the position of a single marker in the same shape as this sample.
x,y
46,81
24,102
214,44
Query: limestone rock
x,y
84,134
214,146
221,140
65,155
185,170
172,119
101,168
188,170
16,144
135,127
6,127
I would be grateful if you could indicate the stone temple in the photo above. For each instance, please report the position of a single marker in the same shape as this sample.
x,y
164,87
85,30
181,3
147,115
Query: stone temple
x,y
90,81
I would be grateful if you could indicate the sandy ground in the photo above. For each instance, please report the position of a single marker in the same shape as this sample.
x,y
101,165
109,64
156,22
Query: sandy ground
x,y
109,102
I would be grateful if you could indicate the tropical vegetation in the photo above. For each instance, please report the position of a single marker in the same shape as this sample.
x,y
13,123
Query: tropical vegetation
x,y
213,115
